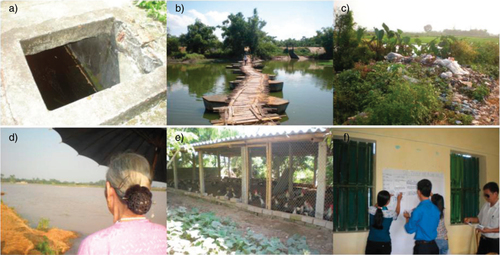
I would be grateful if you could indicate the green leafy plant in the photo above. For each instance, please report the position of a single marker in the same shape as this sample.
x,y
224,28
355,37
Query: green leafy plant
x,y
204,233
44,247
43,224
155,9
480,92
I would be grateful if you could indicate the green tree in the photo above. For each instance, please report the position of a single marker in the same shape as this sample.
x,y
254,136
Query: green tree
x,y
234,32
199,38
326,40
254,32
238,34
172,45
344,42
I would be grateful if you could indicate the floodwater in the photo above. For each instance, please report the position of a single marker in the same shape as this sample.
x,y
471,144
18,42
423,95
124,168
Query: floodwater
x,y
79,209
308,86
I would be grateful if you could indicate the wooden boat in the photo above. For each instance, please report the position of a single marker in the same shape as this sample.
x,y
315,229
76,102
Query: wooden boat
x,y
233,84
277,104
214,101
275,86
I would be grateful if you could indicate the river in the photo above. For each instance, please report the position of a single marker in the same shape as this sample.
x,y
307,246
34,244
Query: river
x,y
308,85
79,209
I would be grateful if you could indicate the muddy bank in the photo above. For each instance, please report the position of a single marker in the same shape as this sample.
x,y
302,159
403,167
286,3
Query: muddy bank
x,y
18,238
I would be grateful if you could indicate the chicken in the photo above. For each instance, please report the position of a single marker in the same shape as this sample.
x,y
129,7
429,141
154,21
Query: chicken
x,y
308,209
329,213
262,203
228,195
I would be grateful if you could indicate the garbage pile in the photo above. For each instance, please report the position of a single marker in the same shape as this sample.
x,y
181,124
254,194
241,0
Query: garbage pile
x,y
462,81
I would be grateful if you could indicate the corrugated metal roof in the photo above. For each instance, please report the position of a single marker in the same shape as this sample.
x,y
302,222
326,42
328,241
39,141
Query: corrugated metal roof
x,y
263,135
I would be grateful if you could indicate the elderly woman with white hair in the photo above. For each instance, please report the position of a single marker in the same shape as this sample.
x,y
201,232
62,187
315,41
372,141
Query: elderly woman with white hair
x,y
128,195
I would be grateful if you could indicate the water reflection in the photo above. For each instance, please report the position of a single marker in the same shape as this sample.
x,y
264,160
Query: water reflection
x,y
308,87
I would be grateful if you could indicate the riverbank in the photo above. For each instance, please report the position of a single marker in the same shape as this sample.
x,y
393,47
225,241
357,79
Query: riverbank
x,y
212,60
18,238
199,61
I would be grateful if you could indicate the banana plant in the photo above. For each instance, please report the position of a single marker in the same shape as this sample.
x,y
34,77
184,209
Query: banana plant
x,y
378,38
391,39
359,34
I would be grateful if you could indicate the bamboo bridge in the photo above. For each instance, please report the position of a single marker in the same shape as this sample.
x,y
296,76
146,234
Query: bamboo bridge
x,y
249,103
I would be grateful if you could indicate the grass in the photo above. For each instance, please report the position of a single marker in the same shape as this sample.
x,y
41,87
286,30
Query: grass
x,y
427,39
326,63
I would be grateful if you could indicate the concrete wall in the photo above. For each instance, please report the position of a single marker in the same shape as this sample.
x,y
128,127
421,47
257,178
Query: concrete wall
x,y
99,57
425,150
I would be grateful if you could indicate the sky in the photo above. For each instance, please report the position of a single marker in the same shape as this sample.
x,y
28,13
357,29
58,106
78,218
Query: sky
x,y
290,19
39,153
412,16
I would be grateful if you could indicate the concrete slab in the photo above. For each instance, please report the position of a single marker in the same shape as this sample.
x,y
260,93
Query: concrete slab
x,y
42,25
281,214
321,223
329,226
307,219
267,212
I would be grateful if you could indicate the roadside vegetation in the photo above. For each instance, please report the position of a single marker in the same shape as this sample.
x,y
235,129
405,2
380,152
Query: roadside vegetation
x,y
388,77
237,32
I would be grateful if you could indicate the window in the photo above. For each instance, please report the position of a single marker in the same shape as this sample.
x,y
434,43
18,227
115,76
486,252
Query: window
x,y
352,184
464,187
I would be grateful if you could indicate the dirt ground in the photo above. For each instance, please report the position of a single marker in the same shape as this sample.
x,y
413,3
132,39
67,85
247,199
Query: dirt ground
x,y
318,50
320,240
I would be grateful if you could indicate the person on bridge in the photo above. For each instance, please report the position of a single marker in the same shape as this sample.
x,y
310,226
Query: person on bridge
x,y
245,59
128,196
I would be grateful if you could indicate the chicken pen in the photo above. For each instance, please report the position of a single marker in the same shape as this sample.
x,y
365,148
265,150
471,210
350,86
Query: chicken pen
x,y
290,173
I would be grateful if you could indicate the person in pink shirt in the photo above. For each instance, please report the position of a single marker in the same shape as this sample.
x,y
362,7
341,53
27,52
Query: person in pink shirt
x,y
128,195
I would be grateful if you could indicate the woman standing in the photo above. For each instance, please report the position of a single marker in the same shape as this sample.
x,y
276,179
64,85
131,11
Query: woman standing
x,y
129,198
442,237
379,238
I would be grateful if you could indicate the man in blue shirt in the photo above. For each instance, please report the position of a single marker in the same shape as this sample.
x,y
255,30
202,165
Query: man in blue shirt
x,y
424,221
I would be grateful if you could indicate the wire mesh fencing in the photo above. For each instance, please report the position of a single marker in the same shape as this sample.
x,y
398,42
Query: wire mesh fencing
x,y
257,172
293,176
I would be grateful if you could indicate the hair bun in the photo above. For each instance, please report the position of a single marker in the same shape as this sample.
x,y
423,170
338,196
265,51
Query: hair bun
x,y
139,199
